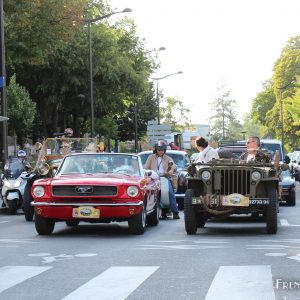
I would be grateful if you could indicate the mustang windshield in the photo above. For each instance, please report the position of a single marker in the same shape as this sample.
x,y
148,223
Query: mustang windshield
x,y
101,163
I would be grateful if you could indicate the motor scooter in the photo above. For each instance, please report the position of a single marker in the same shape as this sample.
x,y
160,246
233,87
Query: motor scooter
x,y
13,185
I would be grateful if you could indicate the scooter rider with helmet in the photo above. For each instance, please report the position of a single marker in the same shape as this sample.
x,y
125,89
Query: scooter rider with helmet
x,y
160,163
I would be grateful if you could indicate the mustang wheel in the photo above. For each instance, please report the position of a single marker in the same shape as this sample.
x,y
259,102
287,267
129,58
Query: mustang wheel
x,y
189,213
271,212
28,209
153,218
43,226
137,223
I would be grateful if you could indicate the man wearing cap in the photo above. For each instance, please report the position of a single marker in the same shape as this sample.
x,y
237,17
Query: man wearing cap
x,y
160,163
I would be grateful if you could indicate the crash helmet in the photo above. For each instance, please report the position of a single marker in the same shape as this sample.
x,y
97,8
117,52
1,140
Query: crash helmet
x,y
160,145
68,132
21,153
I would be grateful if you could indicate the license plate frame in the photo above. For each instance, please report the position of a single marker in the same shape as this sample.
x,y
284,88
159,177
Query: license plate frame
x,y
86,212
235,200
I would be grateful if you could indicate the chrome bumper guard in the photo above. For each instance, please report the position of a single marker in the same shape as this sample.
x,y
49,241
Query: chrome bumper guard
x,y
140,203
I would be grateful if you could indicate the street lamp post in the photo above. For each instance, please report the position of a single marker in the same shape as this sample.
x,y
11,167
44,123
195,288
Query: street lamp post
x,y
281,89
157,95
90,21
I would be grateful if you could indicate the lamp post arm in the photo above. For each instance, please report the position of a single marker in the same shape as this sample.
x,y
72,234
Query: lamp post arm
x,y
166,76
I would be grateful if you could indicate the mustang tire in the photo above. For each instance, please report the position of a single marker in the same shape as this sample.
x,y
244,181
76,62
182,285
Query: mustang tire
x,y
190,219
271,212
153,218
28,209
137,223
43,226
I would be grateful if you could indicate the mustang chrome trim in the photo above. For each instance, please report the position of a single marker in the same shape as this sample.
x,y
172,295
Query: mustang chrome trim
x,y
140,203
179,195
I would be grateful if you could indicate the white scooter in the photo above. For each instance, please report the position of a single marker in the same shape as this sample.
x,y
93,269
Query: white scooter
x,y
13,185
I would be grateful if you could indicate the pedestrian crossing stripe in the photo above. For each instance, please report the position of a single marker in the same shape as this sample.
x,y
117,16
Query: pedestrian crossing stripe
x,y
115,283
12,275
242,282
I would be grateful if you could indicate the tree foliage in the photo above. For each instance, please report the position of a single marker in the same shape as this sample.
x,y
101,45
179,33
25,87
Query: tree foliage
x,y
21,110
223,123
175,113
47,47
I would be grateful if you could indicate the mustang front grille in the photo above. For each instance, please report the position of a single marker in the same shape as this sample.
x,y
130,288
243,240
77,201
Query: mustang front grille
x,y
84,190
233,181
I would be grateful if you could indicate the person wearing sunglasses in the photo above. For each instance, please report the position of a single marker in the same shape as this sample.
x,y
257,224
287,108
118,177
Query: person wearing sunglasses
x,y
254,152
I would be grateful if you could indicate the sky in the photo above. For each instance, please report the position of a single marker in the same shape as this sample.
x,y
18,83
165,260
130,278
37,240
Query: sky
x,y
234,42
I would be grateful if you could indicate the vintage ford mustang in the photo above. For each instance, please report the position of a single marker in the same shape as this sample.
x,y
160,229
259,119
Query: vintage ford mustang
x,y
97,188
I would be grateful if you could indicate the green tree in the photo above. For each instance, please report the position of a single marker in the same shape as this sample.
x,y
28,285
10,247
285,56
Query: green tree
x,y
21,110
223,123
175,113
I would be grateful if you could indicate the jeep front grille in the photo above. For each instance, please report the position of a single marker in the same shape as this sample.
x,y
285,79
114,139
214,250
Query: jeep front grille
x,y
69,190
235,181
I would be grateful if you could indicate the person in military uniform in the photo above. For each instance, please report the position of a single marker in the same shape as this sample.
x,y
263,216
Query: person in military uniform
x,y
254,153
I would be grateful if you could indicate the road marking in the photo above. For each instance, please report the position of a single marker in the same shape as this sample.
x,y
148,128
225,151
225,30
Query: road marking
x,y
296,257
242,282
284,222
115,283
12,275
275,254
4,222
16,241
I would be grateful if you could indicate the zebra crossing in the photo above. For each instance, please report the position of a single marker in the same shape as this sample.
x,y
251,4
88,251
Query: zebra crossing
x,y
253,282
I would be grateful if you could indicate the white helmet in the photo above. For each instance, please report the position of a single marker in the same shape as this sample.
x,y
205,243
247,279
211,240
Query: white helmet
x,y
21,153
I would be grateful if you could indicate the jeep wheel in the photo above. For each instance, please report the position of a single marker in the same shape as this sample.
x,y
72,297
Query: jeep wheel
x,y
189,213
153,218
291,200
28,209
137,223
271,212
43,226
200,220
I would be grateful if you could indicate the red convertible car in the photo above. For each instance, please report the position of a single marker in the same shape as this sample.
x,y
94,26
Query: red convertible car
x,y
97,188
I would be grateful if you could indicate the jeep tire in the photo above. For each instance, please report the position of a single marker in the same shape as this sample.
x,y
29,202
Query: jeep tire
x,y
190,219
271,212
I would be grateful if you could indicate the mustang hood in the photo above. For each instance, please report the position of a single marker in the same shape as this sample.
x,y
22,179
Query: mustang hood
x,y
99,179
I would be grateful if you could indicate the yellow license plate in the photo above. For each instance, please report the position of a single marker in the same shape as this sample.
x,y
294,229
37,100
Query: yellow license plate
x,y
235,200
85,212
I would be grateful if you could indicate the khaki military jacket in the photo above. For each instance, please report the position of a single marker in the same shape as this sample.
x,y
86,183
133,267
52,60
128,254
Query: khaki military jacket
x,y
152,163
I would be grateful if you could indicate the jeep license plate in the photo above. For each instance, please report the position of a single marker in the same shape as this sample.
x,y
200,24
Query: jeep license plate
x,y
86,212
235,200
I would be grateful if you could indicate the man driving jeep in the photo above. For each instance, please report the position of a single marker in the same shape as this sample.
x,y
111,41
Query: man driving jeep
x,y
254,153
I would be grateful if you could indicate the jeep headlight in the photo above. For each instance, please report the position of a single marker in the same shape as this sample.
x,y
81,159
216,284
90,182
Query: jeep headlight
x,y
132,191
205,175
256,176
38,191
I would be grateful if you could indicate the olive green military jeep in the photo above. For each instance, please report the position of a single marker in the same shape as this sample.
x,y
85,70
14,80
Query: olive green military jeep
x,y
224,187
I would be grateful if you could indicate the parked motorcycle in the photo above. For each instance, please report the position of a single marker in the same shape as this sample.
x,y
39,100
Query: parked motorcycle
x,y
13,185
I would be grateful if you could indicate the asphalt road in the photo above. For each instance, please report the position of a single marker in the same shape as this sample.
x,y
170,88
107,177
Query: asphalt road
x,y
231,259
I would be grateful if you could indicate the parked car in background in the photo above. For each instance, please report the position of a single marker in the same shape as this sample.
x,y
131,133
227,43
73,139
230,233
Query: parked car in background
x,y
97,188
182,160
287,188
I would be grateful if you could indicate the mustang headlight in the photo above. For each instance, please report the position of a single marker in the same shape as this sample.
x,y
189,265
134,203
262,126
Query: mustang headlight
x,y
205,175
38,191
256,176
132,191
